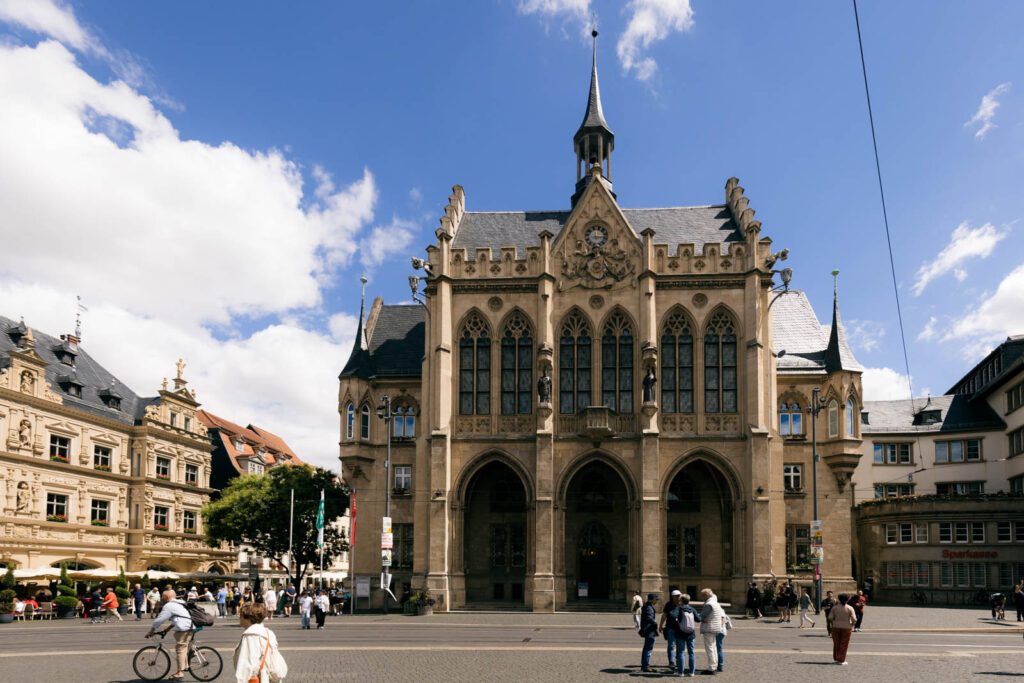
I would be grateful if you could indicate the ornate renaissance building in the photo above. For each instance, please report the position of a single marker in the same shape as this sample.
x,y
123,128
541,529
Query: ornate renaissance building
x,y
600,399
92,474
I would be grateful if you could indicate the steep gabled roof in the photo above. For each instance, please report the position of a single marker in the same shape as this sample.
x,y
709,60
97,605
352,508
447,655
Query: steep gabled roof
x,y
394,347
253,440
796,330
838,355
957,414
94,379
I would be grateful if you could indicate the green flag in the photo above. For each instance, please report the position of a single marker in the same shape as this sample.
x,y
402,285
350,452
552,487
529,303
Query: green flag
x,y
320,522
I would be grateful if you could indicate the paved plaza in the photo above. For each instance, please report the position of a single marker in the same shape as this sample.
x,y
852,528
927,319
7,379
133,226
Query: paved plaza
x,y
902,644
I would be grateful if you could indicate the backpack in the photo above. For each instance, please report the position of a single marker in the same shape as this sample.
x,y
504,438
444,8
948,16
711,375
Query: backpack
x,y
199,616
686,622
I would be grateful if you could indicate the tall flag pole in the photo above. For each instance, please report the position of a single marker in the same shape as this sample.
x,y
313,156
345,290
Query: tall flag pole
x,y
320,535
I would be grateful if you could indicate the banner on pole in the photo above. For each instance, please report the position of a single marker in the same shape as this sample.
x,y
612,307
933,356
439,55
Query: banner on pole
x,y
385,558
387,541
320,522
386,525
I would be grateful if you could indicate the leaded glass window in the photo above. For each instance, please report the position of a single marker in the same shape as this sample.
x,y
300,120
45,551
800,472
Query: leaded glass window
x,y
575,351
475,367
720,376
617,363
677,365
517,366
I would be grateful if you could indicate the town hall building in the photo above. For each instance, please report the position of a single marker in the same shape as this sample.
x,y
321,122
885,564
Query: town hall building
x,y
597,400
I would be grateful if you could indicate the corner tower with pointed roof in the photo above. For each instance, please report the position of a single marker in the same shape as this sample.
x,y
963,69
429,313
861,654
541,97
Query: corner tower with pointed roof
x,y
594,140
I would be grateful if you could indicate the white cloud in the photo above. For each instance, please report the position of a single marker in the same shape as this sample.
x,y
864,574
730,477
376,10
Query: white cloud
x,y
995,317
206,232
386,241
884,384
650,21
865,335
987,111
965,243
552,9
929,331
53,19
168,239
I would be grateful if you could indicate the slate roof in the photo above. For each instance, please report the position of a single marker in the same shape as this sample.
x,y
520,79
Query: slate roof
x,y
796,330
1010,355
93,377
698,225
395,345
958,414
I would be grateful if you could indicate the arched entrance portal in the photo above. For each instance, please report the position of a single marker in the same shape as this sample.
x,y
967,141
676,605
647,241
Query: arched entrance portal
x,y
496,536
699,528
597,521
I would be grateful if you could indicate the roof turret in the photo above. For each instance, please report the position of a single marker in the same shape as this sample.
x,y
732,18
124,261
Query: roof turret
x,y
838,355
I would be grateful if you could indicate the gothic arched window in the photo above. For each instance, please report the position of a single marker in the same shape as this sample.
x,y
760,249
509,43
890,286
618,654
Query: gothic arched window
x,y
790,419
517,366
720,380
475,367
677,365
364,422
350,421
833,418
851,421
575,350
617,363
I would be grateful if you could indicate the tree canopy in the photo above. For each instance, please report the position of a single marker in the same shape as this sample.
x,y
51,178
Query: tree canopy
x,y
254,510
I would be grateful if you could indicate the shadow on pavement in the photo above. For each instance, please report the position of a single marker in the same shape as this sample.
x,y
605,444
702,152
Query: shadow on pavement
x,y
633,670
819,663
998,673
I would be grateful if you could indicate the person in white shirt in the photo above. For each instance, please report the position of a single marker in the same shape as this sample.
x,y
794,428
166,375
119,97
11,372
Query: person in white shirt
x,y
323,605
174,611
270,602
635,607
305,608
257,655
193,594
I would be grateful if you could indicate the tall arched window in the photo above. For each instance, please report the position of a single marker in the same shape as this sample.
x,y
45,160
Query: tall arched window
x,y
364,422
790,419
677,365
720,381
617,363
350,421
851,420
517,366
833,418
475,367
575,350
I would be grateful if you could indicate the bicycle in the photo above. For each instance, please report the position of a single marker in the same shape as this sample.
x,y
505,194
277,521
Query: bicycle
x,y
153,662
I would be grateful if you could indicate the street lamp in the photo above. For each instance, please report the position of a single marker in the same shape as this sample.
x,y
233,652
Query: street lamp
x,y
384,413
817,404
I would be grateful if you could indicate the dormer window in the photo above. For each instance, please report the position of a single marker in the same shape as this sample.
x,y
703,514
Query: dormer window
x,y
110,397
71,385
239,443
929,417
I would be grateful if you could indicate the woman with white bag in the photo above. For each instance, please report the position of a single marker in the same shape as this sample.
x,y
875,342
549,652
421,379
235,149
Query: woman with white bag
x,y
257,658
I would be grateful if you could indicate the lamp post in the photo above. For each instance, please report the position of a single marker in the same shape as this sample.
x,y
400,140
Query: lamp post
x,y
817,404
384,413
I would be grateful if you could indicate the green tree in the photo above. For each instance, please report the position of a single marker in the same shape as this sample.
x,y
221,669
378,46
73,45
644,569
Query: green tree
x,y
254,510
68,598
121,588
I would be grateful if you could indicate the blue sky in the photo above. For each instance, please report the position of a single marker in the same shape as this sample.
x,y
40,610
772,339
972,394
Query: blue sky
x,y
258,158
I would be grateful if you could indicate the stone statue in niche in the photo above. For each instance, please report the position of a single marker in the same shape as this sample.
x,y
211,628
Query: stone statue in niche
x,y
22,497
25,433
544,386
28,382
650,381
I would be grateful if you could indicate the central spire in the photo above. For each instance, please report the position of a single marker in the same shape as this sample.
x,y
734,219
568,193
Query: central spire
x,y
594,140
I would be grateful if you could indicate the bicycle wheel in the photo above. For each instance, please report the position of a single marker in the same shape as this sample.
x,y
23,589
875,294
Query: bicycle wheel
x,y
151,663
205,663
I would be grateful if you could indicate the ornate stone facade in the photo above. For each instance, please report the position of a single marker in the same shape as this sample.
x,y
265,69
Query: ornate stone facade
x,y
92,474
597,404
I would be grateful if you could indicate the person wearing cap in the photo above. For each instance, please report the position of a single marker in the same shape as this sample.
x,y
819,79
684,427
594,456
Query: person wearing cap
x,y
648,630
678,624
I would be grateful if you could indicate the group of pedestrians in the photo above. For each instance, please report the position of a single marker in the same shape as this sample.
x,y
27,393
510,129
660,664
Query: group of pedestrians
x,y
679,626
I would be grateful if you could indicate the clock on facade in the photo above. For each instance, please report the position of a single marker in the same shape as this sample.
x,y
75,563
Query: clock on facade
x,y
597,235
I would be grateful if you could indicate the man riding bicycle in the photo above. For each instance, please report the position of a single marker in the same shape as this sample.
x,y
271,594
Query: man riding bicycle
x,y
173,610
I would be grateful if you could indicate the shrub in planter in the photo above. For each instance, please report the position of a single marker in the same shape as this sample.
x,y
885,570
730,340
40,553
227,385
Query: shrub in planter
x,y
121,591
67,600
424,602
6,606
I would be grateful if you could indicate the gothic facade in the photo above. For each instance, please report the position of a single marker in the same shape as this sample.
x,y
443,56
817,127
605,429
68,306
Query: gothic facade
x,y
599,400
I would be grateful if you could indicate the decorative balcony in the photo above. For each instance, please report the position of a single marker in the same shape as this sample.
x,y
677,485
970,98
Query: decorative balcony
x,y
597,423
